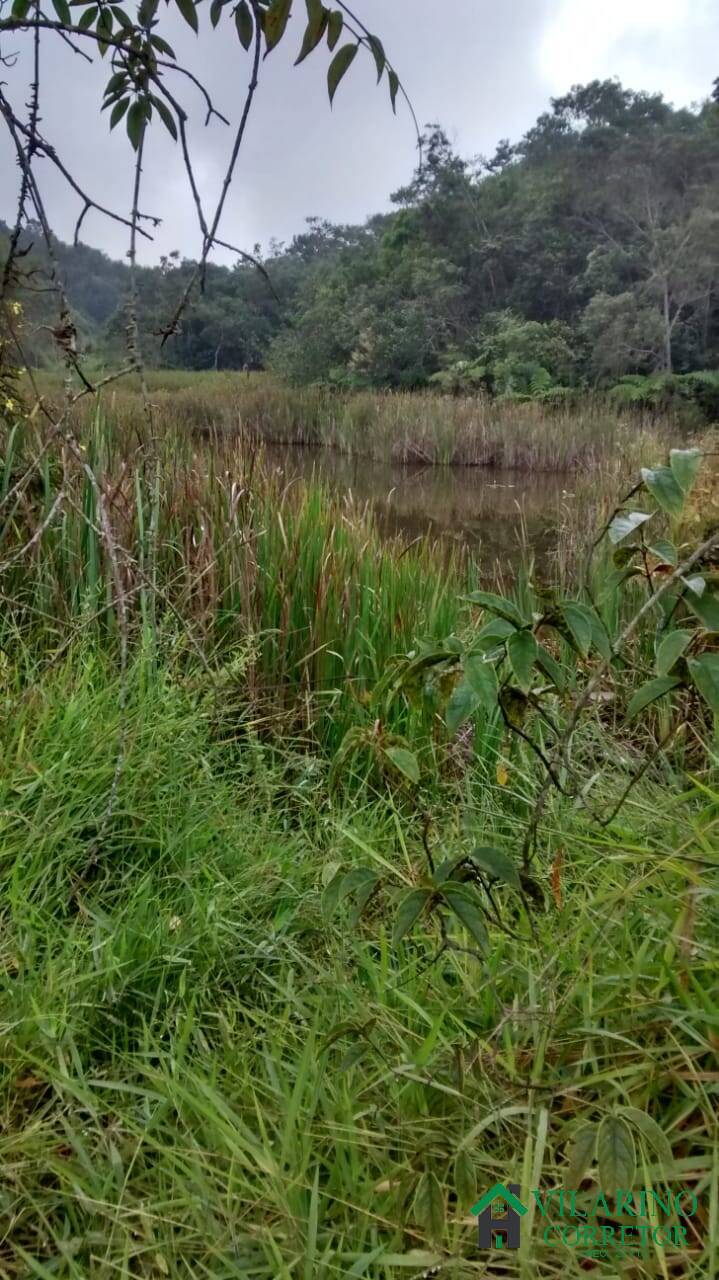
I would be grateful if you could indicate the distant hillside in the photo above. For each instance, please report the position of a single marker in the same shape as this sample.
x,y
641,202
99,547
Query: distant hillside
x,y
585,253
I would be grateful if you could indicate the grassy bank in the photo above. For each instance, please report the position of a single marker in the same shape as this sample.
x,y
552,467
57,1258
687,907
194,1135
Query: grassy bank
x,y
401,427
202,1075
205,1069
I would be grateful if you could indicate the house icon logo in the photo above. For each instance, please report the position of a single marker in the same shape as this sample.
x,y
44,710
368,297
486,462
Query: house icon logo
x,y
500,1232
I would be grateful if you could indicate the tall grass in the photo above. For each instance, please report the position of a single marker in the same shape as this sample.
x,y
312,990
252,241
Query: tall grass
x,y
203,1076
202,1072
405,427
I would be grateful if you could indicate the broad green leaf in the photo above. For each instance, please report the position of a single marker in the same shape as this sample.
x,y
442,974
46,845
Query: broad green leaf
x,y
339,66
216,12
696,583
651,1132
671,647
462,704
664,551
123,18
428,1207
393,89
522,654
580,1156
482,680
706,608
685,464
550,667
664,488
331,894
118,111
189,12
465,1179
616,1155
403,760
20,9
600,637
62,9
623,555
409,911
244,23
463,901
136,122
87,18
378,54
362,897
353,1055
497,864
497,604
335,23
579,622
316,25
355,880
494,632
626,523
166,116
275,22
649,693
704,671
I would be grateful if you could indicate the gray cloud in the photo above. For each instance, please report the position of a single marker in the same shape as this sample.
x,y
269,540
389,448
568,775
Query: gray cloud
x,y
483,69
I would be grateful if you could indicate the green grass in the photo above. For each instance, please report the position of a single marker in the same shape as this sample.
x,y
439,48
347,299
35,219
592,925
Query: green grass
x,y
203,1071
403,427
179,1095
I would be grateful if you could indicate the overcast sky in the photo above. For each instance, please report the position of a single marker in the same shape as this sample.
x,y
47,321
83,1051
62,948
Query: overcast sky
x,y
483,68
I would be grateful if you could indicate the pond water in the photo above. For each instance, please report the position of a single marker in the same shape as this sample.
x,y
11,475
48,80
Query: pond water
x,y
489,511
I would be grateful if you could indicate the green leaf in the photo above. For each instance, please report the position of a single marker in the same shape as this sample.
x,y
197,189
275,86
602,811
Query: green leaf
x,y
317,17
378,54
465,1179
649,693
651,1132
664,488
579,621
671,647
616,1155
118,111
496,864
121,17
275,22
704,672
216,11
136,122
403,760
622,525
481,678
353,1055
62,9
580,1156
339,66
685,464
245,25
355,880
331,894
335,23
522,654
20,9
664,551
506,609
600,638
706,608
409,911
87,18
189,12
550,667
361,898
463,901
428,1207
393,89
166,116
623,555
462,704
162,46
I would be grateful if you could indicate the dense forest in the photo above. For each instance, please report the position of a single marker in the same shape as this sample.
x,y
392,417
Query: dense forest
x,y
586,254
